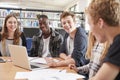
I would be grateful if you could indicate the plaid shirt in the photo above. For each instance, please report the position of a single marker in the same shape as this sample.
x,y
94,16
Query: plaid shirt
x,y
54,44
95,63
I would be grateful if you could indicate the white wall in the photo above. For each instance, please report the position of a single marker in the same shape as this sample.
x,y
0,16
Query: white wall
x,y
81,5
86,24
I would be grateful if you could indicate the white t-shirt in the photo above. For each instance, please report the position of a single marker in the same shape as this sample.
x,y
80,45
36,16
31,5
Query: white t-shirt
x,y
70,45
46,51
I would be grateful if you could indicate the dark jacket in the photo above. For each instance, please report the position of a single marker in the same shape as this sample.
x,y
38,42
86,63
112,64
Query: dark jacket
x,y
80,47
54,44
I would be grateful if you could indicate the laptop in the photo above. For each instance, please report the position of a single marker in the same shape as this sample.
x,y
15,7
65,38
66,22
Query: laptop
x,y
19,57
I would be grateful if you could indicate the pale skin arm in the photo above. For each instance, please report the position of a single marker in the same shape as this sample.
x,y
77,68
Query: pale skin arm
x,y
72,66
64,56
108,71
61,63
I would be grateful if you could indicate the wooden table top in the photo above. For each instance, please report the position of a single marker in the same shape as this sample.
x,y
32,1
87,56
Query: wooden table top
x,y
8,70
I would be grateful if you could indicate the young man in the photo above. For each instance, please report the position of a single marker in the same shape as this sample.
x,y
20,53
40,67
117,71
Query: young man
x,y
46,43
104,20
75,42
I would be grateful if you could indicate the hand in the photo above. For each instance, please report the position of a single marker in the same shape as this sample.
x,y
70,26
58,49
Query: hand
x,y
68,57
51,63
48,59
72,66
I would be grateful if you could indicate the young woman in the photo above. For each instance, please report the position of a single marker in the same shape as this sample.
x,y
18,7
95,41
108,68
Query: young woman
x,y
96,52
104,19
10,35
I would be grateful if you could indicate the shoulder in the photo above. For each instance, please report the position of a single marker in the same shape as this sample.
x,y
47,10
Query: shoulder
x,y
115,46
37,36
116,43
81,30
113,55
22,34
80,33
55,33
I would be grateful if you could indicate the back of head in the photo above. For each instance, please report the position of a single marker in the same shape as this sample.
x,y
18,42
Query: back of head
x,y
108,10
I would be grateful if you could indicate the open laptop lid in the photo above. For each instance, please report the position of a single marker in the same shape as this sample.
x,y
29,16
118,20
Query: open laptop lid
x,y
19,56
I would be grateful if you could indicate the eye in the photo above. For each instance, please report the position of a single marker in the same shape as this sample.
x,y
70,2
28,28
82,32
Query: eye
x,y
63,23
15,22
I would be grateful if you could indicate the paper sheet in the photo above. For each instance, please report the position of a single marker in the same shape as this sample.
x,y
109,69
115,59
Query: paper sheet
x,y
37,60
22,75
48,74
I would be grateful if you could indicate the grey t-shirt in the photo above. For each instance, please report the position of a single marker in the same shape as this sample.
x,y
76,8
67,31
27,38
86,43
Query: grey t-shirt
x,y
7,41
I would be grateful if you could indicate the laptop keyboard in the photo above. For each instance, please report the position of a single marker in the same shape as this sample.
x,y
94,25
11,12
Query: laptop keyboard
x,y
33,66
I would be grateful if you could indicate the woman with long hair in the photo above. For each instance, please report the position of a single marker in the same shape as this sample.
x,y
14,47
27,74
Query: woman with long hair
x,y
95,53
10,34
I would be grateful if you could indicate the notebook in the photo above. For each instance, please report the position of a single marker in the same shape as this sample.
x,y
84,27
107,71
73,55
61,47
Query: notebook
x,y
19,57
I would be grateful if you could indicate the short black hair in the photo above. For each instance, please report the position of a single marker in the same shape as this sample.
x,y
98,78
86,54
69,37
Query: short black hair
x,y
42,16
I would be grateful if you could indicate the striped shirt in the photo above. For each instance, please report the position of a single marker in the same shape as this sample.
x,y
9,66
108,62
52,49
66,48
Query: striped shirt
x,y
95,62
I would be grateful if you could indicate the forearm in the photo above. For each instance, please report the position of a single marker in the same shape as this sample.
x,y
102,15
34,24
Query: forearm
x,y
83,69
65,62
108,71
63,56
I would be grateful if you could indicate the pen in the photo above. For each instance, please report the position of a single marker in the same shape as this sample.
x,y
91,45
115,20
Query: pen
x,y
62,70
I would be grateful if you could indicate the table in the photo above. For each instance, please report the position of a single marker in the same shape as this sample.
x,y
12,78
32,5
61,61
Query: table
x,y
8,70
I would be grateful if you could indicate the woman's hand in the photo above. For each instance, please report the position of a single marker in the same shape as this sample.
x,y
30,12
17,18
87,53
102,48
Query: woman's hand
x,y
72,66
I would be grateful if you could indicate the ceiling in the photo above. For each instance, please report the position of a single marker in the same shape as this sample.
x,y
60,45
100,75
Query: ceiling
x,y
38,4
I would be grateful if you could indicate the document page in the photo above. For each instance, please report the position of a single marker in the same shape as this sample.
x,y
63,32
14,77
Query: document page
x,y
48,74
37,60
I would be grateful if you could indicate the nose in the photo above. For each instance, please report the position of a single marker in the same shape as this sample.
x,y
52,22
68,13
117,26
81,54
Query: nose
x,y
12,23
66,24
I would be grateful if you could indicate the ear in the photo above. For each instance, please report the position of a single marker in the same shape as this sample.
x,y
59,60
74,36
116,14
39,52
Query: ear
x,y
100,23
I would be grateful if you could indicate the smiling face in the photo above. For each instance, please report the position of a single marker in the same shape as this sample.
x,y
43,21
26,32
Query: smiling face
x,y
44,25
11,24
68,24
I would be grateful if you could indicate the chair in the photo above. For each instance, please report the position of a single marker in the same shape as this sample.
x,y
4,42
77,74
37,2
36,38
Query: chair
x,y
29,44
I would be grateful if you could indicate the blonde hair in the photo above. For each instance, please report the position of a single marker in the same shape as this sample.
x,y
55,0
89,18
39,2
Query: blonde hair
x,y
108,10
91,42
4,33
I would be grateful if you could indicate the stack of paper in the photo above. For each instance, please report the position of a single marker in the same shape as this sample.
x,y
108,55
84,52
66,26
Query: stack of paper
x,y
47,74
37,60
